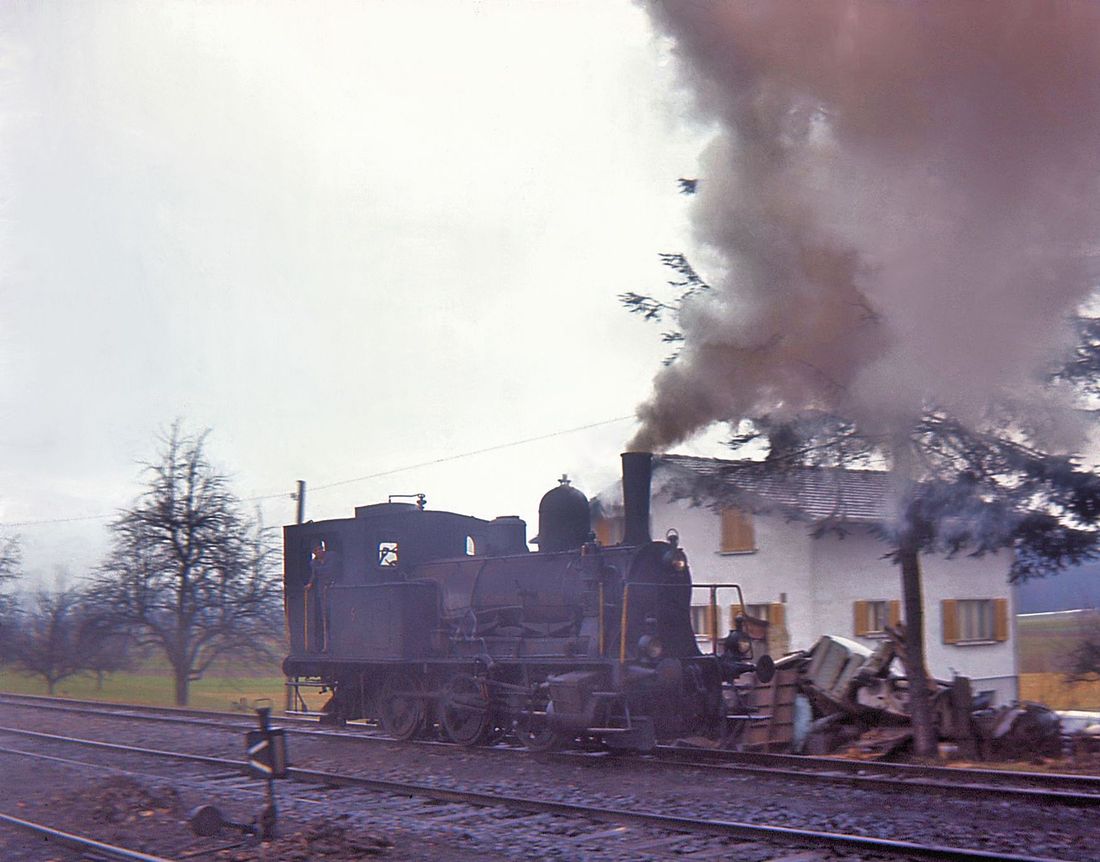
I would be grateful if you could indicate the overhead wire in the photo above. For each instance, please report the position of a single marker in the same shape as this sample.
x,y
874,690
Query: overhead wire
x,y
469,454
313,489
57,520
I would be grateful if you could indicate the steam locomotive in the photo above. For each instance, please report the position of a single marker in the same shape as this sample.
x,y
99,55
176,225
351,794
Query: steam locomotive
x,y
438,622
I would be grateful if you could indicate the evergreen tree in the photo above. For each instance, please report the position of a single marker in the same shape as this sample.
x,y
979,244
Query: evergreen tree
x,y
973,488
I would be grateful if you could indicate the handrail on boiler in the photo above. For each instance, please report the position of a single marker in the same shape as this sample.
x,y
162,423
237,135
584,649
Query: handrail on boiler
x,y
622,623
713,608
305,617
713,611
603,651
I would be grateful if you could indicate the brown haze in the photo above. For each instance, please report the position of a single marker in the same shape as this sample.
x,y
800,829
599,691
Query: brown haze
x,y
894,212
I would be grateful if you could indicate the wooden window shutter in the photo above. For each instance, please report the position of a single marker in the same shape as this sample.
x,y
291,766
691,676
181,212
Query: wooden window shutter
x,y
737,531
950,621
1000,619
778,637
862,617
895,613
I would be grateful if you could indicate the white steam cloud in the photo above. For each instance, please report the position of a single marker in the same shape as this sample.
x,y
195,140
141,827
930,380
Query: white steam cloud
x,y
897,210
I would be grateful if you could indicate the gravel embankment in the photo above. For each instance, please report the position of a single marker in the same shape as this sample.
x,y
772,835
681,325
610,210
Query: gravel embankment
x,y
395,828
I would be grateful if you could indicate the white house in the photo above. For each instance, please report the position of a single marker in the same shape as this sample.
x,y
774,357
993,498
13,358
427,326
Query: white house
x,y
835,582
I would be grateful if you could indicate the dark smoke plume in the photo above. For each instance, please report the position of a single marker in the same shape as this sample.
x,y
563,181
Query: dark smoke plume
x,y
897,209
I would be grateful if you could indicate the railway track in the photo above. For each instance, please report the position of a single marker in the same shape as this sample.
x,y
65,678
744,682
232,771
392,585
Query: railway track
x,y
82,843
581,823
1044,788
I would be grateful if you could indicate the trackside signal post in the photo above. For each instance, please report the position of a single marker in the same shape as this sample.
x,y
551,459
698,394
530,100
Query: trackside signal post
x,y
266,750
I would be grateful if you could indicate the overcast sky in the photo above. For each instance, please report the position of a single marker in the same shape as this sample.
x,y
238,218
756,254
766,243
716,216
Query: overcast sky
x,y
344,242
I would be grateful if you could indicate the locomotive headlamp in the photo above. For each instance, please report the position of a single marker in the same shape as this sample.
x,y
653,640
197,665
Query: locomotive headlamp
x,y
650,646
676,560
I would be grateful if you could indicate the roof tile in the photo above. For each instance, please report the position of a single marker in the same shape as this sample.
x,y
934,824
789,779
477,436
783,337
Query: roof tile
x,y
812,493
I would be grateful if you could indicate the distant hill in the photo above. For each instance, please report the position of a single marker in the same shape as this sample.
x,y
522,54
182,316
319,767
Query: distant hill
x,y
1070,590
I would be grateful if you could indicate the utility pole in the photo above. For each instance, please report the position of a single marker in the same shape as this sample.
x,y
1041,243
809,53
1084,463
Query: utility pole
x,y
301,498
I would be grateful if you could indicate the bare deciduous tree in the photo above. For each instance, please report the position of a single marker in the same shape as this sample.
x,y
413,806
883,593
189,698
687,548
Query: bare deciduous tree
x,y
9,558
108,643
9,569
189,573
1085,659
50,639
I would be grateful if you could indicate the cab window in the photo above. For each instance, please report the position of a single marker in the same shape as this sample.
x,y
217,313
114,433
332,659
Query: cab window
x,y
387,553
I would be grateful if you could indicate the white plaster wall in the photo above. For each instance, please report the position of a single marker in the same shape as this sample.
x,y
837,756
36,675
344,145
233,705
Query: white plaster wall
x,y
780,568
852,569
991,666
820,579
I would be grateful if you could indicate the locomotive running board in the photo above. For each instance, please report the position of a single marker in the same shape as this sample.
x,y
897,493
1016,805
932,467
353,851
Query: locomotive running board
x,y
640,735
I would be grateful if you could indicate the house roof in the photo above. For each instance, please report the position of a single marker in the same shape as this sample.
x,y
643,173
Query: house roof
x,y
812,493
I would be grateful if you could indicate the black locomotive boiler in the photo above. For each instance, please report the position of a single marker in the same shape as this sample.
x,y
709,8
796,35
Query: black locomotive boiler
x,y
429,620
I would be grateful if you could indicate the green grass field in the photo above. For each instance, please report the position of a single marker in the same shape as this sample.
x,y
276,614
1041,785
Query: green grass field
x,y
1045,642
1053,690
1042,646
225,692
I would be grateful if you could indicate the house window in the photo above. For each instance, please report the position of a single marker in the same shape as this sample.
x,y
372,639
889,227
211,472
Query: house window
x,y
974,620
609,531
872,617
760,612
703,620
773,632
738,536
773,615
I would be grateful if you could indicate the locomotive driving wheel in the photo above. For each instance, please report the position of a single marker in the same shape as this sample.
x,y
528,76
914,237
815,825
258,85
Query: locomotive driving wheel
x,y
465,713
534,730
402,705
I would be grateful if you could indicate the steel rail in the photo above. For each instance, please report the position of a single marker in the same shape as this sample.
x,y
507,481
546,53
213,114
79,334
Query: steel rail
x,y
133,773
674,823
840,764
1080,791
79,841
949,782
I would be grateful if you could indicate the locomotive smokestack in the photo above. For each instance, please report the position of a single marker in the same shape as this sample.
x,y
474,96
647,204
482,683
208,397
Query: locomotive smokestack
x,y
637,468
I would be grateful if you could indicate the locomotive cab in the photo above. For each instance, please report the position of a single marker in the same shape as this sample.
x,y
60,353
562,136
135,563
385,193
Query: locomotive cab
x,y
331,566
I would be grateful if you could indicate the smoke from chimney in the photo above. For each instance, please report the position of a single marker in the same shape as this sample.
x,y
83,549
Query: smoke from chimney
x,y
894,210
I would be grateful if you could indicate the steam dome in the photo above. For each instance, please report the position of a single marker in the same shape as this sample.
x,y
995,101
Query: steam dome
x,y
564,518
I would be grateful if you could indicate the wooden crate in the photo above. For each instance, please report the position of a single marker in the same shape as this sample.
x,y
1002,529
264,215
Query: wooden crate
x,y
775,701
